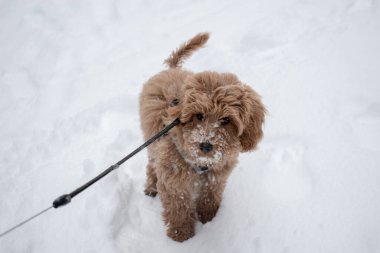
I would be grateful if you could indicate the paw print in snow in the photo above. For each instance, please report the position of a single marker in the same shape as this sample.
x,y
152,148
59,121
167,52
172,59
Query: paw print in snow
x,y
287,177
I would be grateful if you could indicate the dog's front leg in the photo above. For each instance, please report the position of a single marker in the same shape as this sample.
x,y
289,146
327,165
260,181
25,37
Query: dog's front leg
x,y
210,196
151,181
178,213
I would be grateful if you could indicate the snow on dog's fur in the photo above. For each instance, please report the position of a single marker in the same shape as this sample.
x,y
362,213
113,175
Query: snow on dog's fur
x,y
220,117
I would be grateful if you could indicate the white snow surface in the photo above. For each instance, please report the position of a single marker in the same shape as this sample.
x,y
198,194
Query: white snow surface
x,y
70,76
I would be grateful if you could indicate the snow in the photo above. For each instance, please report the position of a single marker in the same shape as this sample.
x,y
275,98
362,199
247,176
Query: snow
x,y
70,76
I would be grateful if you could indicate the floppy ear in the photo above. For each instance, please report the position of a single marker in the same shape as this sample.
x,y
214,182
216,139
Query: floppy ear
x,y
253,118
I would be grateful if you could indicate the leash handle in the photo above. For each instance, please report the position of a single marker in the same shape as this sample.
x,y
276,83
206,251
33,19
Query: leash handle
x,y
66,198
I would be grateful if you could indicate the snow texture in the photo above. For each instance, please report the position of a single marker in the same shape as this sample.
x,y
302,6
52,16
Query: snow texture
x,y
70,76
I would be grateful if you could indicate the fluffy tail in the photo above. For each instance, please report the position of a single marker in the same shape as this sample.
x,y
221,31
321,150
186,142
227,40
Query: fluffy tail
x,y
178,56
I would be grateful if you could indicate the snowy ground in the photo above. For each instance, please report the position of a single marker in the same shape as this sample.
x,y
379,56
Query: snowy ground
x,y
70,76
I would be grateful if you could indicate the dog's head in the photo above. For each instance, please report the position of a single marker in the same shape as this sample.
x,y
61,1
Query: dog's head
x,y
220,117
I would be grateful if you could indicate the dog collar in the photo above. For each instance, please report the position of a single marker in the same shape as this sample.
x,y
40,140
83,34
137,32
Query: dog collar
x,y
200,170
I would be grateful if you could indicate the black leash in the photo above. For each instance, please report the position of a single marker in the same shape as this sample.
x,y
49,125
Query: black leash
x,y
66,198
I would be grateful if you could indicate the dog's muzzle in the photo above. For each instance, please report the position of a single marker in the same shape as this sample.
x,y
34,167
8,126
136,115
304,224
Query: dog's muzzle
x,y
200,170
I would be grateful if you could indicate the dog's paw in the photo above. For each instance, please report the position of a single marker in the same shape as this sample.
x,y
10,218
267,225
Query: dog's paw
x,y
150,192
206,214
181,233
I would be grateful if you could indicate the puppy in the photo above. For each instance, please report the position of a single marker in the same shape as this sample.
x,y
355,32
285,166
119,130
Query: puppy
x,y
220,117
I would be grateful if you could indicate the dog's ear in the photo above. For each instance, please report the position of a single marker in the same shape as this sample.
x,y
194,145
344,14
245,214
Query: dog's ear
x,y
253,117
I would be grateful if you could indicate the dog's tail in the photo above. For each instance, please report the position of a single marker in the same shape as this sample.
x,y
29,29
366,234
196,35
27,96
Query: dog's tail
x,y
178,56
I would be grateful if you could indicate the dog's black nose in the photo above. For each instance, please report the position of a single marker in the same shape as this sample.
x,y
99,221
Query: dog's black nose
x,y
205,147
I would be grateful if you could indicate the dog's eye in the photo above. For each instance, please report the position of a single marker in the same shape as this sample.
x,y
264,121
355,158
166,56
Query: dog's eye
x,y
200,116
224,121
